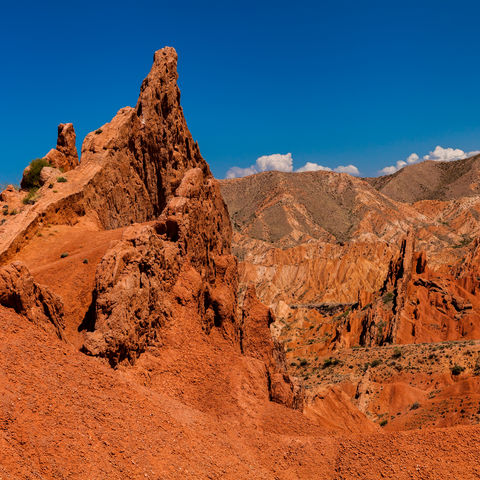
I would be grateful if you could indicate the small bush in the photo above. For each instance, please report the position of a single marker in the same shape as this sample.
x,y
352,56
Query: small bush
x,y
30,198
457,369
397,353
5,209
476,368
13,212
383,423
330,362
32,178
61,180
375,363
303,362
98,132
387,297
415,406
64,255
85,261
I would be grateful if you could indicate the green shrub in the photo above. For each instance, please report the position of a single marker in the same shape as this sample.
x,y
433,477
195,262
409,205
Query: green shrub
x,y
64,255
387,297
330,362
383,423
30,198
13,212
32,177
414,406
86,261
476,368
376,362
457,369
61,180
397,353
98,132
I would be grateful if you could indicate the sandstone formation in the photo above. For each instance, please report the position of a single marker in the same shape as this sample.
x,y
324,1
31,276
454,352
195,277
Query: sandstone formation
x,y
256,341
414,304
21,293
65,156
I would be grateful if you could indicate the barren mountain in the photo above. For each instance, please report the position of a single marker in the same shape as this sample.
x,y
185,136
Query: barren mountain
x,y
431,180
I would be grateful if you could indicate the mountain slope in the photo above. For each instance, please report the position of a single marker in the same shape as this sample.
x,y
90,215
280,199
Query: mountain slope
x,y
431,180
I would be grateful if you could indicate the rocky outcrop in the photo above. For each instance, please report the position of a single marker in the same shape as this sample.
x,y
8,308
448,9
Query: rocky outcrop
x,y
152,169
144,152
256,341
64,156
144,280
20,292
60,159
416,304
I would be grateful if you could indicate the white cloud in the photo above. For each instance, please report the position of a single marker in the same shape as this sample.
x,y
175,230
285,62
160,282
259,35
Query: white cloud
x,y
313,167
351,169
440,154
236,172
400,164
277,161
412,158
388,170
284,163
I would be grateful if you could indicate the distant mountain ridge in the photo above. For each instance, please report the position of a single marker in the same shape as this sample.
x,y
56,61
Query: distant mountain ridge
x,y
431,180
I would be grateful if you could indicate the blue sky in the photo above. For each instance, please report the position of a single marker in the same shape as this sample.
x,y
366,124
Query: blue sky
x,y
333,83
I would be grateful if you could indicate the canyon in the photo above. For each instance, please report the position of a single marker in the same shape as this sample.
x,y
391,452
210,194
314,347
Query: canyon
x,y
374,285
159,323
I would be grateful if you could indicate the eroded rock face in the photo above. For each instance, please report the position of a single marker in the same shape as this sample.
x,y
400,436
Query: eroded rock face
x,y
64,156
66,146
152,170
416,304
20,292
144,152
256,341
168,288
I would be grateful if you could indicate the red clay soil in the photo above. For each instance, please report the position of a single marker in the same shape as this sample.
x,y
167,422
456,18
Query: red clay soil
x,y
65,415
71,277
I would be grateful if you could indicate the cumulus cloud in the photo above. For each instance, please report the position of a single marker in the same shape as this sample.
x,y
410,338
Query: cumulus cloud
x,y
312,167
440,154
400,164
284,163
236,172
412,158
276,161
448,154
351,169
